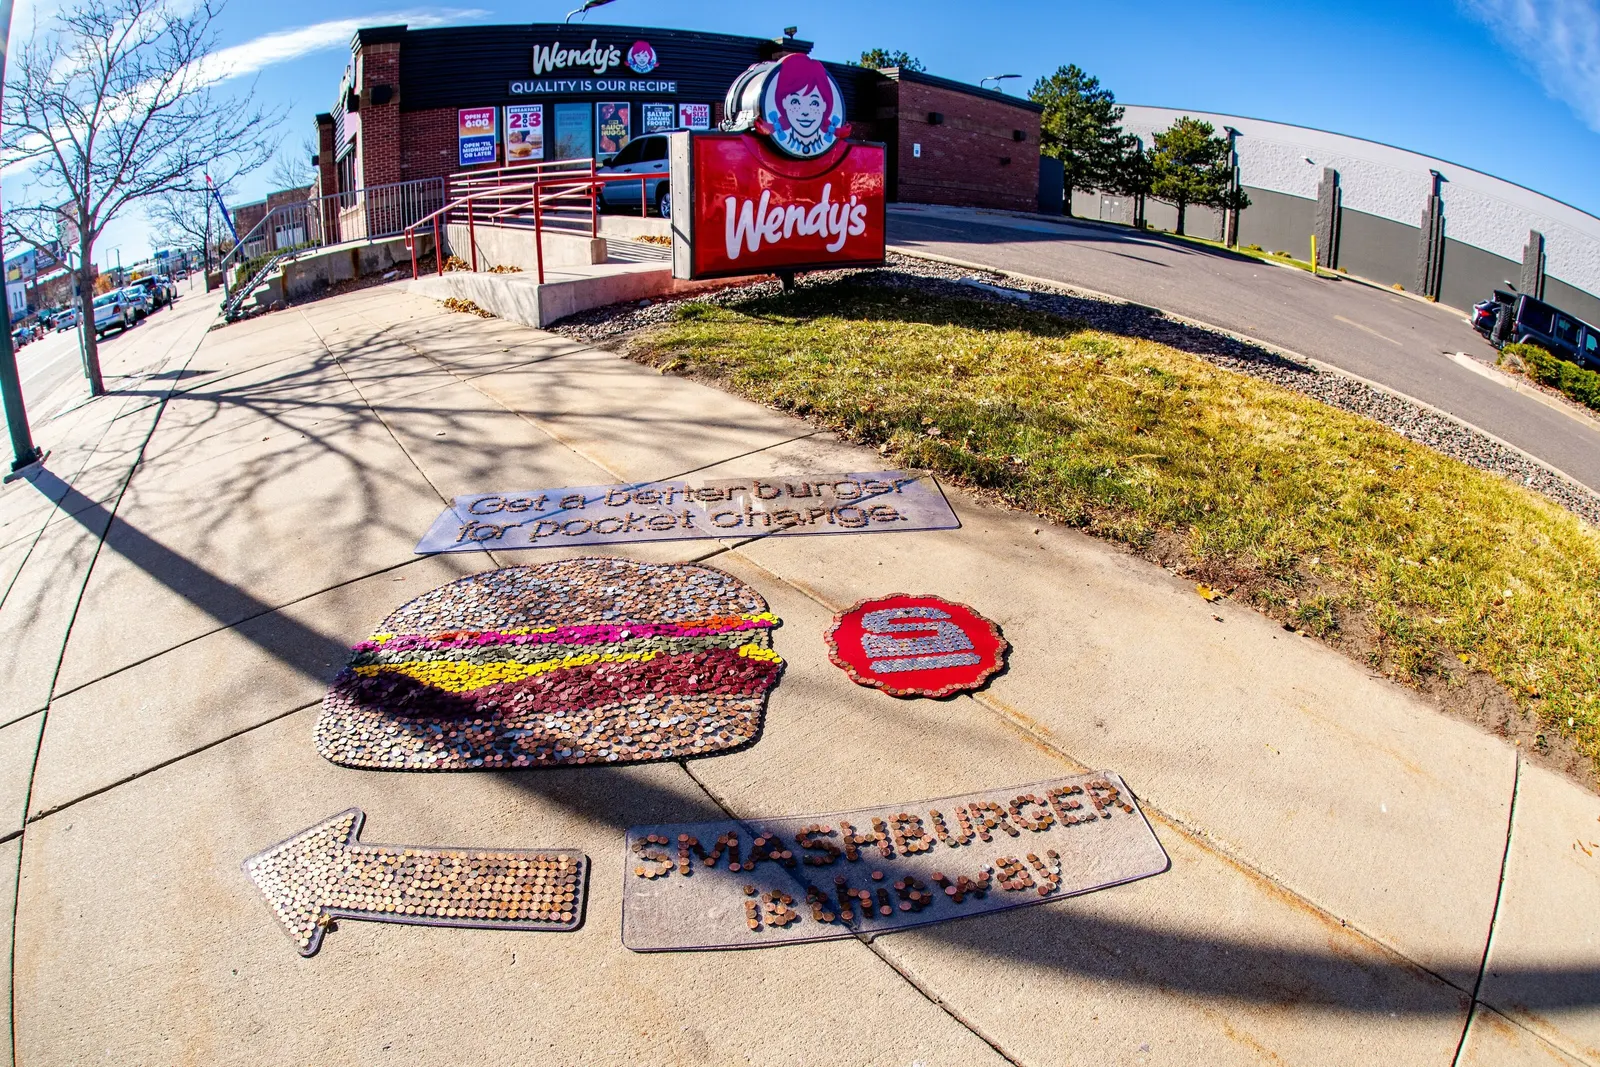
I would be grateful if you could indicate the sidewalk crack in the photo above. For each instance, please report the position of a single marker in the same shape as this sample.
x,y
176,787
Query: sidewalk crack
x,y
1494,916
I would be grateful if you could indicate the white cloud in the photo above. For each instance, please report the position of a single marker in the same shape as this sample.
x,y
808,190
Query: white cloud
x,y
285,45
1558,39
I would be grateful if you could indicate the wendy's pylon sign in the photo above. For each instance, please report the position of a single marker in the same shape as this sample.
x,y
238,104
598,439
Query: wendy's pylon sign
x,y
779,188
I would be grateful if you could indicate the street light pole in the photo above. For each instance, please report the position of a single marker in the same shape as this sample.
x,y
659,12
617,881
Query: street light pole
x,y
584,9
23,450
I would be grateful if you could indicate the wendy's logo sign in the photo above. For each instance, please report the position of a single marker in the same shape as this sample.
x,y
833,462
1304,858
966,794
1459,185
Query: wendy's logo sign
x,y
779,188
802,110
642,58
916,646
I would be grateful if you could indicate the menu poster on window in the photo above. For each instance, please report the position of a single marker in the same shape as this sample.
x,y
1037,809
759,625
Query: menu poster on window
x,y
524,133
574,127
613,128
657,117
476,138
694,116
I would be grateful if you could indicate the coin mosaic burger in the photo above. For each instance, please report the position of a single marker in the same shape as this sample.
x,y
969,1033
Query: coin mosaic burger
x,y
580,661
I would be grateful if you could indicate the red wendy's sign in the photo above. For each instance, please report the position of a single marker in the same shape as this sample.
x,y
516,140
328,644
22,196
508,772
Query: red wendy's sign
x,y
779,188
916,645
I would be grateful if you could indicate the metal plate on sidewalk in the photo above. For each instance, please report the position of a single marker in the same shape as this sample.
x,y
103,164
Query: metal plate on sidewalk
x,y
325,872
875,502
747,883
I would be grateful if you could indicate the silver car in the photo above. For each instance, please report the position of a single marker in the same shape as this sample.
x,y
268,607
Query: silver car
x,y
111,310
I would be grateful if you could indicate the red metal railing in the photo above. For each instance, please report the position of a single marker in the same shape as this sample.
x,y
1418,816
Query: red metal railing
x,y
572,196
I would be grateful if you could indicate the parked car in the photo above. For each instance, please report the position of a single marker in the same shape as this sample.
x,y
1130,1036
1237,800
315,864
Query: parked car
x,y
21,336
112,309
157,290
645,155
65,319
138,300
1530,321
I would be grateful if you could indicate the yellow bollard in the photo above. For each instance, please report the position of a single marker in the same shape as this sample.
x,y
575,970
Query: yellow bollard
x,y
1313,254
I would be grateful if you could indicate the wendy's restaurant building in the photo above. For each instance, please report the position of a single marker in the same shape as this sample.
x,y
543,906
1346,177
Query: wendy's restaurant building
x,y
435,106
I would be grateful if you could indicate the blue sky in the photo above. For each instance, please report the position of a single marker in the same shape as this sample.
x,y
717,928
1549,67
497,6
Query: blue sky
x,y
1510,87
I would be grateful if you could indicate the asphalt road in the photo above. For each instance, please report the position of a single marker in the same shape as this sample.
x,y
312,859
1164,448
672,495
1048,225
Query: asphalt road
x,y
1394,340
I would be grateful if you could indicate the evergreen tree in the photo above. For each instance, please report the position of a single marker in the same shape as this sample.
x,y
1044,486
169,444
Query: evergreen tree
x,y
883,59
1190,164
1082,127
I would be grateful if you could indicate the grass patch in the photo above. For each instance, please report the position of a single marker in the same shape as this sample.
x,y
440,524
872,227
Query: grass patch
x,y
1578,383
1320,516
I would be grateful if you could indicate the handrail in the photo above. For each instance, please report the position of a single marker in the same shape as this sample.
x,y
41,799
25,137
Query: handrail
x,y
380,207
566,185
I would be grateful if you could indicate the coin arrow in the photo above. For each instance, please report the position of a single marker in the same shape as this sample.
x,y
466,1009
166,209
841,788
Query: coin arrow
x,y
323,872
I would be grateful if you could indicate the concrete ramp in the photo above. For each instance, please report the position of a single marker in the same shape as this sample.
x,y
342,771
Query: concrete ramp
x,y
566,290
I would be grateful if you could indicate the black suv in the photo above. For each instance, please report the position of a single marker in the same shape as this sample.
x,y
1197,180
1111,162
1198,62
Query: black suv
x,y
1508,317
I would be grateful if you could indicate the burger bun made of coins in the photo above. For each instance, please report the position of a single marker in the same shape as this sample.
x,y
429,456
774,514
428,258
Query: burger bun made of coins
x,y
572,662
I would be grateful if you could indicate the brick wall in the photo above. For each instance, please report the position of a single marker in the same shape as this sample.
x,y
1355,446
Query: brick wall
x,y
428,143
327,176
972,159
380,147
245,216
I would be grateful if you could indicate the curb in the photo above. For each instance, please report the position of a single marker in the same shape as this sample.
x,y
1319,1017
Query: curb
x,y
1500,377
1287,353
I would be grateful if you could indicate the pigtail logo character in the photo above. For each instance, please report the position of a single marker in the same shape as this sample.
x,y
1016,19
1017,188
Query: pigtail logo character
x,y
802,110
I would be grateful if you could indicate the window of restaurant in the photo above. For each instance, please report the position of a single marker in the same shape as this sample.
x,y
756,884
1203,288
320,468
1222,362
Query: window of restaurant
x,y
574,131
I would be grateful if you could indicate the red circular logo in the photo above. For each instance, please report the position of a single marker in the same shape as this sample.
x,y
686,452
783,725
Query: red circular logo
x,y
916,645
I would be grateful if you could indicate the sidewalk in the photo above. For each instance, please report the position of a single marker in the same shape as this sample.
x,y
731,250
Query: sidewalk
x,y
1342,856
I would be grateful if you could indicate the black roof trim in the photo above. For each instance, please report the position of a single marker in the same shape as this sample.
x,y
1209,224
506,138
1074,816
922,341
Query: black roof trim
x,y
381,35
902,75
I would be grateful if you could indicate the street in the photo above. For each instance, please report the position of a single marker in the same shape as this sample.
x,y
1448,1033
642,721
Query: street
x,y
1387,338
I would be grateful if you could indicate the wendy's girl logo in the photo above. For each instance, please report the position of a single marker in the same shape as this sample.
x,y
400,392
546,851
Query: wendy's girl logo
x,y
802,110
642,58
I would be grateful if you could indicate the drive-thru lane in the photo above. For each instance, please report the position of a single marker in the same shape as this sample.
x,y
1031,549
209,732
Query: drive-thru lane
x,y
1391,339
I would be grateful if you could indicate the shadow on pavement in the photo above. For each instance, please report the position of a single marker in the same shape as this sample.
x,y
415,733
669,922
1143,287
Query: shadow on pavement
x,y
287,640
1071,938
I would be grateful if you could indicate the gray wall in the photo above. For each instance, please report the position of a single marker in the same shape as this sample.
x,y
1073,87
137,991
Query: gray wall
x,y
1370,247
1571,299
1378,249
1278,222
1471,274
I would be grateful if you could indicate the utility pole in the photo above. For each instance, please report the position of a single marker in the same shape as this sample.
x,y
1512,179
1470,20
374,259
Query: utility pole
x,y
23,451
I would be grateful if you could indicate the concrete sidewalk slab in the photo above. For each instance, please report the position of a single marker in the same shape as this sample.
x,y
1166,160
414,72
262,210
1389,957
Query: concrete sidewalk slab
x,y
180,956
1543,969
1165,958
223,539
230,680
620,417
1492,1040
1233,725
19,743
39,609
464,442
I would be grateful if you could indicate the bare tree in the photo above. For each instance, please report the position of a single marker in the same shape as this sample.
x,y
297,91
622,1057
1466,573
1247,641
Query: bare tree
x,y
109,105
182,218
291,168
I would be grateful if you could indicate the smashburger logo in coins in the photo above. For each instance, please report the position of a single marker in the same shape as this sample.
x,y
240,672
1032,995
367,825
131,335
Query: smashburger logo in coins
x,y
916,645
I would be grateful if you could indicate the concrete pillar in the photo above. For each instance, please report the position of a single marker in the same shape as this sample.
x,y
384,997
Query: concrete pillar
x,y
1329,207
1430,243
1532,280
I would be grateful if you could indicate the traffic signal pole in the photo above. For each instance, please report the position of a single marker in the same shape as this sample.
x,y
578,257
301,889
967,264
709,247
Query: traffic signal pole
x,y
23,450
